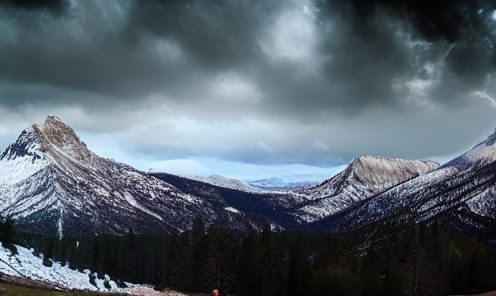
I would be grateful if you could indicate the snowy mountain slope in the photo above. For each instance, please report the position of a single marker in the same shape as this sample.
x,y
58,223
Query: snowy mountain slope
x,y
362,178
223,182
52,184
264,207
461,193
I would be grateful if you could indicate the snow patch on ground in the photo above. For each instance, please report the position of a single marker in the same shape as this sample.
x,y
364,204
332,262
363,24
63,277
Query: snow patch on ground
x,y
231,209
26,265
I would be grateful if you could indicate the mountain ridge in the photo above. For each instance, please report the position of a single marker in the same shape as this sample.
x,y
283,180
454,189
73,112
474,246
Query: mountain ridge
x,y
459,193
362,178
52,184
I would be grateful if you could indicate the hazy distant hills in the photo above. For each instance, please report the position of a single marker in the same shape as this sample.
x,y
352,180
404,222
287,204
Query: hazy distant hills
x,y
224,182
52,184
279,184
269,184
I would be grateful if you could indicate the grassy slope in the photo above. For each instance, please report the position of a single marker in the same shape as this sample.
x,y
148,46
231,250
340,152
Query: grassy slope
x,y
14,290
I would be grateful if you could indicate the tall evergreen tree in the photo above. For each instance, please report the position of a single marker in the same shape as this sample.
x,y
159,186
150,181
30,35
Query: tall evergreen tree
x,y
7,231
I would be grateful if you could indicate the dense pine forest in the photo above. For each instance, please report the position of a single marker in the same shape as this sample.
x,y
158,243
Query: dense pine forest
x,y
423,260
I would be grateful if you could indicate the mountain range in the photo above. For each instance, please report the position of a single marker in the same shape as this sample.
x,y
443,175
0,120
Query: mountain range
x,y
279,184
51,183
459,194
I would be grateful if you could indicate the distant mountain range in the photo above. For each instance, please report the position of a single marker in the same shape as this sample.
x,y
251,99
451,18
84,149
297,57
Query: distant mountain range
x,y
269,184
224,182
52,184
279,184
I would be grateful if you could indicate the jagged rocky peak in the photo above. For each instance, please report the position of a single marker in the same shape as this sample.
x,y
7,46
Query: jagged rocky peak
x,y
65,138
375,169
55,137
60,134
363,177
373,173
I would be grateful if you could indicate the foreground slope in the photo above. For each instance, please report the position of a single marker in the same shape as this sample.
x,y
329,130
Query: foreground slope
x,y
363,177
461,194
52,184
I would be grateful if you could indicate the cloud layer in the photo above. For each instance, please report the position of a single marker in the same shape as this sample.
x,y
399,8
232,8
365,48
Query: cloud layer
x,y
265,82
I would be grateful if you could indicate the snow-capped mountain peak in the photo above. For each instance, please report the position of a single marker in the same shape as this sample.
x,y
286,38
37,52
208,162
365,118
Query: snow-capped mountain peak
x,y
56,185
482,154
25,157
385,171
459,193
52,184
27,144
362,178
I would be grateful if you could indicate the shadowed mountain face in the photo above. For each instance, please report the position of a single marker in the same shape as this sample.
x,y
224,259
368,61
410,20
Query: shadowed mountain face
x,y
52,184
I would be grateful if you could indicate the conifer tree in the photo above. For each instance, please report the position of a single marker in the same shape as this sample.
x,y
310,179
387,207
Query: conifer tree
x,y
7,232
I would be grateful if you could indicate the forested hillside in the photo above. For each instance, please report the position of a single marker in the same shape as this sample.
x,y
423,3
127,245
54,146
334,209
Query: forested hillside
x,y
425,260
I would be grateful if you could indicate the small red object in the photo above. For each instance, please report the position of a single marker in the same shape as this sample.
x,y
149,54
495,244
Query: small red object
x,y
216,292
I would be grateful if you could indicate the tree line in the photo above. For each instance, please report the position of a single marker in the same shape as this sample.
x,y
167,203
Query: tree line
x,y
423,259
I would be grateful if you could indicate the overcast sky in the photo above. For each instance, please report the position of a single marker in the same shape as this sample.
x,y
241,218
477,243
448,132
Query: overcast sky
x,y
252,88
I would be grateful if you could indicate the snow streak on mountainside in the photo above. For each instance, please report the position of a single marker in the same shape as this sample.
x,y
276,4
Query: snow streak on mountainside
x,y
362,178
52,184
224,182
461,193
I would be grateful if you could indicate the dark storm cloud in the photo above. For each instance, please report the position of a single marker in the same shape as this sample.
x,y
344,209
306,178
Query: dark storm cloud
x,y
83,50
56,7
129,50
237,72
356,75
435,20
215,34
357,59
466,25
432,19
